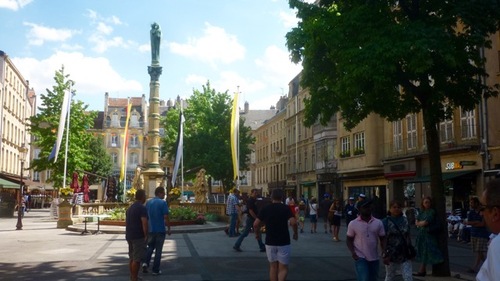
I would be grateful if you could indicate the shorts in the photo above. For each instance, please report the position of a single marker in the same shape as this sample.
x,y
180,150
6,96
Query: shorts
x,y
136,249
479,244
280,254
314,218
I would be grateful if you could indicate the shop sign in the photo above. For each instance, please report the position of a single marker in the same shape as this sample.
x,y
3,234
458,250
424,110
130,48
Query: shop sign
x,y
467,163
453,166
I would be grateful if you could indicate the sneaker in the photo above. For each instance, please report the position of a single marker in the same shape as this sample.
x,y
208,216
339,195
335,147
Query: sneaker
x,y
157,273
237,249
144,268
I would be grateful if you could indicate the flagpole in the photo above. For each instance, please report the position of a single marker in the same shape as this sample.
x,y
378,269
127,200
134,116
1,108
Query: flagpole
x,y
238,181
67,137
182,158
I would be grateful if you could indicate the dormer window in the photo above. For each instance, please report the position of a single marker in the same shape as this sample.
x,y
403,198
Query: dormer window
x,y
134,119
115,119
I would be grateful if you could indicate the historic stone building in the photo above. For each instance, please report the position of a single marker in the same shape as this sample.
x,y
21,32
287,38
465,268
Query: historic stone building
x,y
18,103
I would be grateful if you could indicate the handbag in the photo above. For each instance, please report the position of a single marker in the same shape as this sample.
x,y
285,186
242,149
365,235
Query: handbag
x,y
411,252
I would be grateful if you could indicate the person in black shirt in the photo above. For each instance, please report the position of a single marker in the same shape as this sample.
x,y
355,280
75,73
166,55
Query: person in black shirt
x,y
276,218
251,216
136,232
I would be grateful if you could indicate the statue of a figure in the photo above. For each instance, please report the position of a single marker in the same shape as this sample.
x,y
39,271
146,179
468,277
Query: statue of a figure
x,y
200,187
155,43
138,180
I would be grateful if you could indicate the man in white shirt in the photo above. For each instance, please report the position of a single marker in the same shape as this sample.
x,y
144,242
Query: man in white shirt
x,y
490,270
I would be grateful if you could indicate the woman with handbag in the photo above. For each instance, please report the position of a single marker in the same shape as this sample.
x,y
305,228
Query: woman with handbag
x,y
427,246
399,250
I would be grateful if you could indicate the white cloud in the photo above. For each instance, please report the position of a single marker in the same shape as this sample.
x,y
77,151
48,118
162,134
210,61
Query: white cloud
x,y
276,66
93,76
214,46
196,80
102,44
115,20
69,47
289,19
14,4
104,28
102,38
38,34
144,48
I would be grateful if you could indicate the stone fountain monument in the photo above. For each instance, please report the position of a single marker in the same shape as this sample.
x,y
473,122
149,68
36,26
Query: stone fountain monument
x,y
153,174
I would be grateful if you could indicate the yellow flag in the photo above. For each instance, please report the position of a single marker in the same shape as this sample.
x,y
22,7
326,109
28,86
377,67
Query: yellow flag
x,y
125,144
235,126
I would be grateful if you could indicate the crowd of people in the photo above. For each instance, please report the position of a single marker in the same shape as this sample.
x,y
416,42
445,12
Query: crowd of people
x,y
369,237
368,232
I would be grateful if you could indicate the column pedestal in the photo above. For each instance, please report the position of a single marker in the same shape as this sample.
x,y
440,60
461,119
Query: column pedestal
x,y
64,219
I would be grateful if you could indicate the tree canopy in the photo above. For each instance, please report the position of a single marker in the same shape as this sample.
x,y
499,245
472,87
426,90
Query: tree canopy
x,y
207,135
82,148
394,58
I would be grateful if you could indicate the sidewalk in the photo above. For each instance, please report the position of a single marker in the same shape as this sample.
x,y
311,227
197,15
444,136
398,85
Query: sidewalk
x,y
42,252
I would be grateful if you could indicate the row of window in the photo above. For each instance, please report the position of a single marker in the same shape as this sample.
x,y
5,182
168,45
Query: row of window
x,y
133,122
468,129
133,140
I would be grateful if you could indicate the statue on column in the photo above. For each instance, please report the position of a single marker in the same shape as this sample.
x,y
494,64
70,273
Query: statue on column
x,y
155,43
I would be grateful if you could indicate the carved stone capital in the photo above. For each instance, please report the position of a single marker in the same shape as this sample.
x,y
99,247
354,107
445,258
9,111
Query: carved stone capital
x,y
154,72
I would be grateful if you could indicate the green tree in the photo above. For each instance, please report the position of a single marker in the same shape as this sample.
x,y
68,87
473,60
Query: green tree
x,y
395,58
100,162
44,126
207,135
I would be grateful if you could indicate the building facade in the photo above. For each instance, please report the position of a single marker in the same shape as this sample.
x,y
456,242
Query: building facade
x,y
113,130
18,103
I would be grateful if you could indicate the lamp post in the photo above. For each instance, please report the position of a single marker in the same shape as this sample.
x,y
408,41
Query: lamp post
x,y
22,158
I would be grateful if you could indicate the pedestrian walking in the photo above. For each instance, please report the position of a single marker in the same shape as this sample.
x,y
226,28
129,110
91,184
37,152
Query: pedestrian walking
x,y
136,232
335,218
427,246
363,235
158,218
397,232
490,270
232,206
324,208
276,218
313,214
479,235
302,215
350,211
252,213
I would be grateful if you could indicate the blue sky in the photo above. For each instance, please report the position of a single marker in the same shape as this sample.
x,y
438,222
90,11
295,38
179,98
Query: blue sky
x,y
104,45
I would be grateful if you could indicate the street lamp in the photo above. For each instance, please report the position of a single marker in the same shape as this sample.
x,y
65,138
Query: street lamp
x,y
22,157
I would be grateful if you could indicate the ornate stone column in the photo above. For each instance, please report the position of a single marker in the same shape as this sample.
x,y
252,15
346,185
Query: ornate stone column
x,y
153,175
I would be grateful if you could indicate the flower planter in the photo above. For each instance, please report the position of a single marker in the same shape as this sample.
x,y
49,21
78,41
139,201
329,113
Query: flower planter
x,y
122,223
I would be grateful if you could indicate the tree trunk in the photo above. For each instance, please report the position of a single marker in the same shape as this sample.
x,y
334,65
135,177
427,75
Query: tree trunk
x,y
437,190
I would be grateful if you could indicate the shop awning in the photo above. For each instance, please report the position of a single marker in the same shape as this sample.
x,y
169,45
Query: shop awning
x,y
8,184
308,183
492,173
446,176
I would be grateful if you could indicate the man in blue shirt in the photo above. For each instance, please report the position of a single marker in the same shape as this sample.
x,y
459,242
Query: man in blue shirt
x,y
158,218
